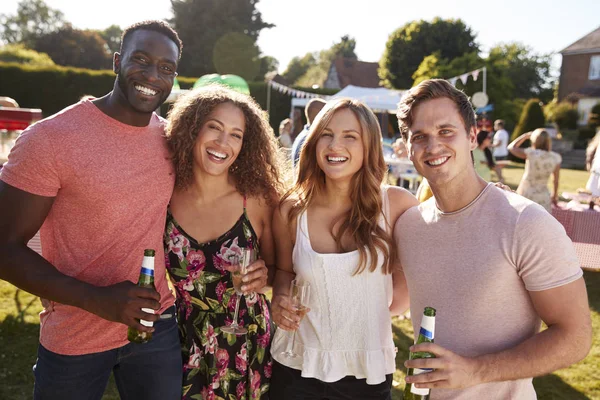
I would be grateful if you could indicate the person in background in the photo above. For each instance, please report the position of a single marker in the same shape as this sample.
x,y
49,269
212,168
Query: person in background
x,y
311,110
540,163
482,166
333,230
285,130
500,143
593,165
96,177
227,183
492,263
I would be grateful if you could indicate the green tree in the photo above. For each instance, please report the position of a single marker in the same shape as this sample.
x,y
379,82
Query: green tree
x,y
18,53
316,74
594,119
33,19
112,37
528,71
298,66
532,117
267,64
409,45
76,48
201,25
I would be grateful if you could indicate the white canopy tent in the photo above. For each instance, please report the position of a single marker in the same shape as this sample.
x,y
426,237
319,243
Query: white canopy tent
x,y
378,99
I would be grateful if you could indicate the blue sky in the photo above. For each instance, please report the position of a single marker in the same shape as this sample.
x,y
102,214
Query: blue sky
x,y
312,25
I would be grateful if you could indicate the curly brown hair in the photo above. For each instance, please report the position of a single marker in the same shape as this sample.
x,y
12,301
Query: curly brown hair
x,y
256,171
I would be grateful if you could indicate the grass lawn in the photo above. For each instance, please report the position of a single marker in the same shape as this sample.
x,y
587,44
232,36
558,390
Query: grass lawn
x,y
569,179
19,327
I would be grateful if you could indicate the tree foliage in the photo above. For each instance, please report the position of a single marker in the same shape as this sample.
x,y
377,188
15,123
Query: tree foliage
x,y
532,117
201,25
112,37
33,19
409,45
18,53
74,47
312,69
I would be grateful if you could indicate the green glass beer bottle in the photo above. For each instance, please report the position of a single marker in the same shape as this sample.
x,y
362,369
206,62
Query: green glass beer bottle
x,y
426,334
146,281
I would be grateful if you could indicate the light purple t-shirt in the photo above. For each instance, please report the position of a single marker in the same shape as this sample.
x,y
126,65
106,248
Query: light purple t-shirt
x,y
476,267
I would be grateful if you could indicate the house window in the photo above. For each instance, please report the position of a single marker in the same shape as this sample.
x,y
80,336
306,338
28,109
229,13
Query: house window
x,y
595,67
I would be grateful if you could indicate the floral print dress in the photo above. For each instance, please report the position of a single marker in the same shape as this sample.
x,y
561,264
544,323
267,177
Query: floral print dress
x,y
538,167
218,365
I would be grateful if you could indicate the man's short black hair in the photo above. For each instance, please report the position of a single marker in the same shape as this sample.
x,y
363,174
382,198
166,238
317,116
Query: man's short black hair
x,y
152,25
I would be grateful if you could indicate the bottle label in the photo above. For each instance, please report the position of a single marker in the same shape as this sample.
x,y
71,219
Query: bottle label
x,y
416,390
146,271
147,323
427,327
148,264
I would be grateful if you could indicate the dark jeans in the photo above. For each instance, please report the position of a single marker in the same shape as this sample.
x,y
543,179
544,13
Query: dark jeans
x,y
288,384
142,371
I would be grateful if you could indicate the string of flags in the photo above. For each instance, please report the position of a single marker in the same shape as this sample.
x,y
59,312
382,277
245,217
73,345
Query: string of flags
x,y
464,77
294,92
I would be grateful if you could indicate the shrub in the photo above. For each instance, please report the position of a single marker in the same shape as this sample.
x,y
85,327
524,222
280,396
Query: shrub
x,y
532,117
594,120
564,115
17,53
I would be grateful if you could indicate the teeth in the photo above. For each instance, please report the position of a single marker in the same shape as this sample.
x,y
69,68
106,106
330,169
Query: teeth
x,y
145,90
217,154
337,159
437,161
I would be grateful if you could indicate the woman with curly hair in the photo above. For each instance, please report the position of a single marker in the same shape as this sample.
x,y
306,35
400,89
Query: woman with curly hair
x,y
227,184
333,229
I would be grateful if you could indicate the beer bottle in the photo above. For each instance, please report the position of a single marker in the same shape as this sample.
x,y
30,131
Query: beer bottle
x,y
146,281
426,334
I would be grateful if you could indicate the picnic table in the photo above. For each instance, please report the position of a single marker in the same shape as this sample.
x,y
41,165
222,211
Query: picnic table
x,y
582,225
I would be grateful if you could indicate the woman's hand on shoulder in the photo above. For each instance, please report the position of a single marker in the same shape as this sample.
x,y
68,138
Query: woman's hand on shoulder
x,y
400,200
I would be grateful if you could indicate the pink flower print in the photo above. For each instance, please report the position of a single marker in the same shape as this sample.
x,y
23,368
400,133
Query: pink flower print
x,y
255,384
263,340
185,300
177,242
211,340
268,369
220,290
222,357
195,356
208,393
167,261
232,300
240,389
196,261
251,299
226,254
188,284
241,360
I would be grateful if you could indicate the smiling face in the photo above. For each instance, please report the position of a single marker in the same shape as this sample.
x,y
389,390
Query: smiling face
x,y
438,143
220,139
146,69
340,148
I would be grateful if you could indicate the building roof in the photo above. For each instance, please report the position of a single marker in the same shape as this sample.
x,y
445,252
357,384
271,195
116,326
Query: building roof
x,y
588,43
357,73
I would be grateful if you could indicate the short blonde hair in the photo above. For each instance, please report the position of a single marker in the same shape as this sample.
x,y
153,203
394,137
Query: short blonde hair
x,y
540,139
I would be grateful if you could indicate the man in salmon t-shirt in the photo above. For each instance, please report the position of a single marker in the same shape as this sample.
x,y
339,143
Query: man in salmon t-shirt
x,y
492,263
97,179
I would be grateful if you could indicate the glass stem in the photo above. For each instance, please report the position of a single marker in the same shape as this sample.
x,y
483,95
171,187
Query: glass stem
x,y
291,349
237,308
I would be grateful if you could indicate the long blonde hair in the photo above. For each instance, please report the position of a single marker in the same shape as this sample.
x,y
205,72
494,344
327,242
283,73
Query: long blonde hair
x,y
362,220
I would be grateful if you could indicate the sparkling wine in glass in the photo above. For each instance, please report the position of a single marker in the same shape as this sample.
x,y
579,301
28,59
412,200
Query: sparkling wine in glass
x,y
241,263
299,296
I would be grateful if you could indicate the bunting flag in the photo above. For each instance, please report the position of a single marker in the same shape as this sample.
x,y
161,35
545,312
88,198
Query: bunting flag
x,y
294,92
464,77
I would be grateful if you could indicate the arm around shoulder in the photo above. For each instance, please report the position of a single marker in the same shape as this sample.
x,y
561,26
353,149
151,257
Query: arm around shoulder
x,y
400,200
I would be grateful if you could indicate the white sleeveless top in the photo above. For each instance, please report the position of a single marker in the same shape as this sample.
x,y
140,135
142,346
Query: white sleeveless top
x,y
348,331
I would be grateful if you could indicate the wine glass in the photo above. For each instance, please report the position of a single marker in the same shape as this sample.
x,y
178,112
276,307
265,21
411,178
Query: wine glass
x,y
241,263
299,295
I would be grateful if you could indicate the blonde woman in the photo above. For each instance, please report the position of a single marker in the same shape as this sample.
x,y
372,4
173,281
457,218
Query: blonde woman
x,y
540,163
333,229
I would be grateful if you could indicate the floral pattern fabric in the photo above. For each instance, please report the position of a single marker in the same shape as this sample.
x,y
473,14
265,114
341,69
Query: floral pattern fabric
x,y
218,365
538,167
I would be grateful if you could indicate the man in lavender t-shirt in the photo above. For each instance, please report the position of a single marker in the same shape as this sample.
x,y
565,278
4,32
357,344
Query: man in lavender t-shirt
x,y
492,263
96,179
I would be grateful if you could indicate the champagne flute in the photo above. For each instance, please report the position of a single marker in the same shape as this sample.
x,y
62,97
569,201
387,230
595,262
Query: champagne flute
x,y
299,295
248,257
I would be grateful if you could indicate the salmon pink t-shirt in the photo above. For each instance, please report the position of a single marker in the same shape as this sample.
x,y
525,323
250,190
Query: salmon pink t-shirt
x,y
112,183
